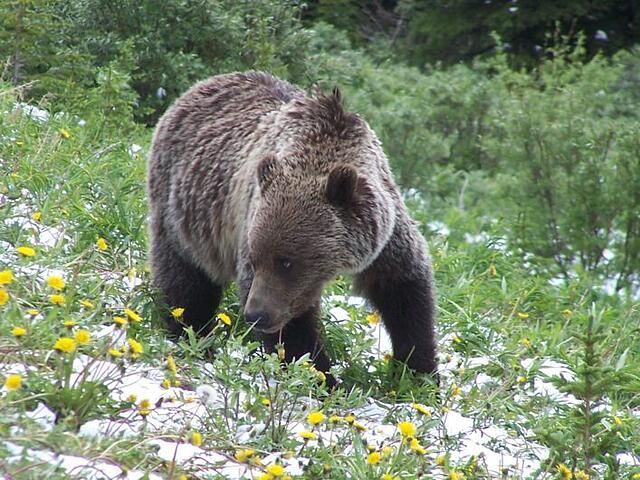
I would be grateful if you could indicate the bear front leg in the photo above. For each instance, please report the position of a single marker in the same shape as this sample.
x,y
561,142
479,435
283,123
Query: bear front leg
x,y
399,284
183,285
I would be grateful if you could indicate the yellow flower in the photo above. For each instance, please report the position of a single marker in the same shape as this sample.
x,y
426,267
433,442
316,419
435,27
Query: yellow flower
x,y
422,409
265,476
387,450
453,475
33,312
101,243
307,435
407,429
6,277
617,420
388,476
566,313
120,321
13,382
132,398
455,390
82,337
36,216
374,458
115,353
57,299
145,403
525,342
171,365
266,402
224,318
69,323
4,296
416,447
275,470
65,344
636,476
521,379
350,419
196,439
373,318
582,475
456,339
244,455
359,426
18,331
492,270
26,251
335,418
564,471
177,312
440,460
135,348
87,304
56,282
314,418
166,383
132,315
523,315
64,133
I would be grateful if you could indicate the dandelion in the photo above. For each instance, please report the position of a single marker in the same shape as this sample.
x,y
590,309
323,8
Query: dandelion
x,y
374,458
18,332
132,315
120,321
525,342
387,450
492,270
275,469
407,429
454,475
617,420
69,323
582,475
65,344
13,382
523,315
87,304
566,313
196,439
564,471
56,282
265,476
6,277
314,418
82,337
416,447
171,365
115,353
350,419
33,312
36,216
422,409
456,339
177,312
307,435
244,455
521,379
373,318
135,348
4,296
440,460
26,251
335,419
224,318
388,476
64,133
101,243
359,426
266,402
166,383
636,476
57,299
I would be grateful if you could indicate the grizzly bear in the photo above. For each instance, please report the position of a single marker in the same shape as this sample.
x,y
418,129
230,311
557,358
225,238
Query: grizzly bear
x,y
251,179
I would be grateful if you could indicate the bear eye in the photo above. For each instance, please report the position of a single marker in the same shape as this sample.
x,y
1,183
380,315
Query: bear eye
x,y
284,264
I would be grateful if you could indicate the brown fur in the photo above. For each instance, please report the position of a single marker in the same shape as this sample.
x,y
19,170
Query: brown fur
x,y
252,180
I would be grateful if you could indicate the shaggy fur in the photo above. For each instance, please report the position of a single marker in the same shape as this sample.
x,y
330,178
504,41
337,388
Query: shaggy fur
x,y
252,180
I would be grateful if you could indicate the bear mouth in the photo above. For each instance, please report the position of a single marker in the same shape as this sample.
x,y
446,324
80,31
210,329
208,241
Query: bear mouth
x,y
267,329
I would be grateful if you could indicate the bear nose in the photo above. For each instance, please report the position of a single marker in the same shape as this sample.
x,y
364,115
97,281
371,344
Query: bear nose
x,y
259,320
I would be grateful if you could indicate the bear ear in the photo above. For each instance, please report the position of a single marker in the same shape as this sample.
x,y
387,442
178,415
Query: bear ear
x,y
341,185
265,171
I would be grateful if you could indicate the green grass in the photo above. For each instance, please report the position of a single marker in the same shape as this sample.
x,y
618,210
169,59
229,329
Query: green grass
x,y
501,326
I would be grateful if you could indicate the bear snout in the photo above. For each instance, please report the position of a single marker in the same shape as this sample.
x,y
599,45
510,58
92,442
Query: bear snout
x,y
259,320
